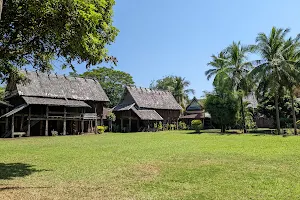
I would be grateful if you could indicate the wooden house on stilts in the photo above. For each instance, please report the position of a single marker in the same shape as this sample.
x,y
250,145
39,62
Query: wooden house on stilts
x,y
140,108
195,111
45,104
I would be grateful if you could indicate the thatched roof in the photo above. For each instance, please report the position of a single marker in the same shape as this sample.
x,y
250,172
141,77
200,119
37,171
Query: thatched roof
x,y
123,107
58,86
150,115
143,114
202,115
55,102
151,99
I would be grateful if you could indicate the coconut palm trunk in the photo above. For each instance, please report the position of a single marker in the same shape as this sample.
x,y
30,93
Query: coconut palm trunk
x,y
1,7
277,114
243,115
294,113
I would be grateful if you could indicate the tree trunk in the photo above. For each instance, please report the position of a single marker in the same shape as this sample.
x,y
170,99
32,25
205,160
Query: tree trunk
x,y
1,7
277,114
294,114
243,115
222,129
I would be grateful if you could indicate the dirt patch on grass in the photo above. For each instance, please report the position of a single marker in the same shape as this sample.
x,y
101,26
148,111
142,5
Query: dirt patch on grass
x,y
145,172
66,191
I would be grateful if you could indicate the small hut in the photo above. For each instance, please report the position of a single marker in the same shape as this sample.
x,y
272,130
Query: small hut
x,y
195,111
46,104
140,108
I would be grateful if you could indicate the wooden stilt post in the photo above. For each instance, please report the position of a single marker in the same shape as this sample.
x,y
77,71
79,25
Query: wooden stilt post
x,y
29,121
6,121
129,122
122,125
96,120
22,122
138,124
46,126
82,120
65,122
12,125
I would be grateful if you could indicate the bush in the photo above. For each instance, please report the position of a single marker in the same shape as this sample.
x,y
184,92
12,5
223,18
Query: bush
x,y
160,126
197,125
101,129
54,133
182,126
172,127
111,116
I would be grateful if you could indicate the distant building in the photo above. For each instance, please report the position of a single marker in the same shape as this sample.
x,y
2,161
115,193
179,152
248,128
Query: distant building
x,y
48,103
195,111
140,108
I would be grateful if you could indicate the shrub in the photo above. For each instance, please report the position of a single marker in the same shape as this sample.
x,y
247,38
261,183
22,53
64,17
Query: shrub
x,y
101,129
182,126
111,116
54,133
160,126
197,125
172,127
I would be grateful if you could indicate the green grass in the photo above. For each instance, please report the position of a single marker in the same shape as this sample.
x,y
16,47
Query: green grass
x,y
165,165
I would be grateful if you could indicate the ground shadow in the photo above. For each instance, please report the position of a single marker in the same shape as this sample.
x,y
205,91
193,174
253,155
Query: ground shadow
x,y
194,133
20,188
9,171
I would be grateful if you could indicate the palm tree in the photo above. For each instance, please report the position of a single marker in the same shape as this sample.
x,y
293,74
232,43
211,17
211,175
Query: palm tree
x,y
219,70
291,80
180,90
238,69
271,68
177,85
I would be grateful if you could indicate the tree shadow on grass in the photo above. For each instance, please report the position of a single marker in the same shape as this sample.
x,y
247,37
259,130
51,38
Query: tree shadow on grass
x,y
20,188
9,171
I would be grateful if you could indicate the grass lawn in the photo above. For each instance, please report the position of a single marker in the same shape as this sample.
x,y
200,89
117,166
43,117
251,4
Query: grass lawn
x,y
165,165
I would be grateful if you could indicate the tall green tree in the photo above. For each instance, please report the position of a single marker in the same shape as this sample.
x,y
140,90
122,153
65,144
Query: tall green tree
x,y
112,81
238,70
270,70
222,105
37,32
292,79
219,67
177,85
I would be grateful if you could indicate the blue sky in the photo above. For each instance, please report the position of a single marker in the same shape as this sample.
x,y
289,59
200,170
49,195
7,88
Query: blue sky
x,y
173,37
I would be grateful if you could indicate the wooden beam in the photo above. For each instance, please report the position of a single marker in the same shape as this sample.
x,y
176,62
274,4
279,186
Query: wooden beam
x,y
12,125
82,120
47,121
96,122
6,121
138,124
65,122
22,122
122,125
29,121
129,125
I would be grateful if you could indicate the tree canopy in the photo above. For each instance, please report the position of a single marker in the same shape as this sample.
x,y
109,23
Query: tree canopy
x,y
35,33
177,85
112,81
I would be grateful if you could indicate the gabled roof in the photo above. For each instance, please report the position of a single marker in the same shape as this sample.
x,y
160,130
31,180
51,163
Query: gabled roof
x,y
194,105
151,99
57,86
